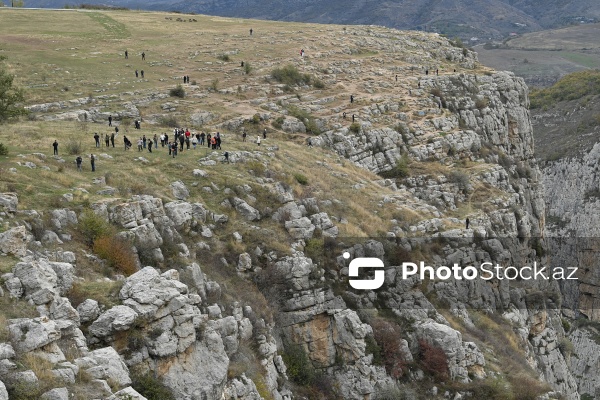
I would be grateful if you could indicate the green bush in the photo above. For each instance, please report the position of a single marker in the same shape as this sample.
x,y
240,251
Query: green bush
x,y
169,121
565,346
224,57
93,226
151,388
570,87
177,91
247,68
299,368
73,147
278,123
318,84
290,75
3,150
354,127
301,179
400,170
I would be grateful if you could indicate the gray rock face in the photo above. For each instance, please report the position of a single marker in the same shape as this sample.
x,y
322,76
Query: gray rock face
x,y
118,318
584,361
62,218
14,241
9,202
127,393
56,394
180,191
3,392
300,228
246,210
39,280
88,310
30,334
181,373
105,364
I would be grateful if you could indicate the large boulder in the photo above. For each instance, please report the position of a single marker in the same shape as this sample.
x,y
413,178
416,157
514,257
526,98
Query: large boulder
x,y
9,202
180,191
30,334
246,210
14,241
88,310
3,392
39,280
300,228
105,364
180,213
56,394
118,318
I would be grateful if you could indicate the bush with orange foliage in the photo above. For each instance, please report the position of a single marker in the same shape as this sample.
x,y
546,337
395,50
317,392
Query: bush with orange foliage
x,y
117,252
433,360
387,335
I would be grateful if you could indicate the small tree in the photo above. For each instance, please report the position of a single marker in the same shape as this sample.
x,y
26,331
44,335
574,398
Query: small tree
x,y
10,97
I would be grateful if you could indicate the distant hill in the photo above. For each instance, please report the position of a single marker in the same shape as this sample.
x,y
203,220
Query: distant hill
x,y
463,18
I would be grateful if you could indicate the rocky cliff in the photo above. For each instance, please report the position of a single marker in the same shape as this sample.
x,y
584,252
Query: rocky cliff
x,y
214,280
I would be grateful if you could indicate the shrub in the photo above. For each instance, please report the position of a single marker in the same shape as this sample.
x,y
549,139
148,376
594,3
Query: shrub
x,y
247,68
387,336
93,226
459,178
117,253
433,360
481,103
290,75
73,147
400,170
214,84
354,127
177,91
224,57
150,387
301,179
3,150
169,121
278,123
299,368
565,346
318,84
570,87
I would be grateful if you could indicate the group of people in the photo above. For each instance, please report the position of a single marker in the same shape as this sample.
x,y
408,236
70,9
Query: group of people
x,y
137,74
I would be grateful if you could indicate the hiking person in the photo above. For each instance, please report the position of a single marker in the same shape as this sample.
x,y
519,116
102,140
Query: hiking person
x,y
309,142
213,142
112,139
143,59
136,73
150,146
242,64
426,72
181,140
258,140
116,130
226,155
202,136
55,145
194,142
125,140
344,114
110,120
208,138
244,136
187,142
126,55
174,149
93,162
140,144
218,140
78,161
353,117
467,223
144,141
351,99
155,139
107,140
142,73
251,31
97,139
188,79
265,133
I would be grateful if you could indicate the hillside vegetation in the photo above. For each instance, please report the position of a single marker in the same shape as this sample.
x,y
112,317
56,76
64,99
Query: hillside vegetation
x,y
193,277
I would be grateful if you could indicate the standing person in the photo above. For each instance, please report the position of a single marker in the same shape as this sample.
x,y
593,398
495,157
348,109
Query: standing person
x,y
309,142
162,140
244,136
110,120
181,140
208,140
136,73
126,55
150,143
187,142
55,145
265,133
467,223
125,141
202,136
112,139
144,141
351,99
194,142
116,130
251,31
214,142
97,139
93,162
258,140
140,144
353,117
78,161
107,140
218,140
142,72
143,59
174,149
155,138
226,155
